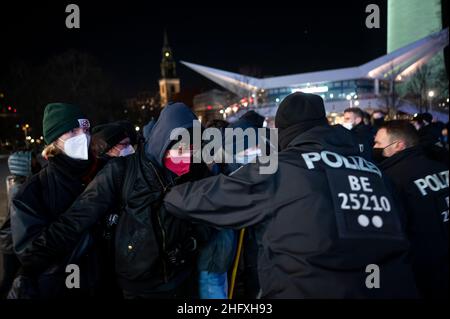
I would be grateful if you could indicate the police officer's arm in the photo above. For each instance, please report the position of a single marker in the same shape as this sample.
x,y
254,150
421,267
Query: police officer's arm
x,y
54,241
236,201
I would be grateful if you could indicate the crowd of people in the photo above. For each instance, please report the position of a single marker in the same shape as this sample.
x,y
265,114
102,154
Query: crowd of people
x,y
140,223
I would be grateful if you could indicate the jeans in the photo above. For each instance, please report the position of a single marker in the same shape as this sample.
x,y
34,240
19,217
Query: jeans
x,y
213,285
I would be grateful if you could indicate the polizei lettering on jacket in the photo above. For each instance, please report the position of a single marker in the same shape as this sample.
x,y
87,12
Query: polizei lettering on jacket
x,y
335,160
433,182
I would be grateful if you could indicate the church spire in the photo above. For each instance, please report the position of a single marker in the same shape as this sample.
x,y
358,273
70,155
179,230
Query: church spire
x,y
169,84
166,39
168,67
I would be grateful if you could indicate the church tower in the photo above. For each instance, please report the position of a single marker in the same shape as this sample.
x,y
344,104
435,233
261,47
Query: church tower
x,y
169,84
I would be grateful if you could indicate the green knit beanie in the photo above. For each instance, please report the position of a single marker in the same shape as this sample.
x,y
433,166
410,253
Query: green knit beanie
x,y
60,118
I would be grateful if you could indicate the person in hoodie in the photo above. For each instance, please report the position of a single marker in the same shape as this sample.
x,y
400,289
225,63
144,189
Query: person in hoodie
x,y
215,258
154,251
248,273
325,219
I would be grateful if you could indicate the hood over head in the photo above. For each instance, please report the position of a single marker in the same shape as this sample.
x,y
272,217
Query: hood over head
x,y
175,116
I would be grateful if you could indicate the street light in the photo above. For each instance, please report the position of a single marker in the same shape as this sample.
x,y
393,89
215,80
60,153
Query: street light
x,y
25,130
430,95
349,98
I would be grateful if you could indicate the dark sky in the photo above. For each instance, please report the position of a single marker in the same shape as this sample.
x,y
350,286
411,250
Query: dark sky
x,y
126,37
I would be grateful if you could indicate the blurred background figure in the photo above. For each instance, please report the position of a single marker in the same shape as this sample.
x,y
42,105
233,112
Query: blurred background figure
x,y
377,119
430,136
354,121
218,123
445,136
21,164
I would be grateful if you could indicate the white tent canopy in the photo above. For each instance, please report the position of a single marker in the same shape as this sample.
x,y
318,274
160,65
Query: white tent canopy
x,y
397,64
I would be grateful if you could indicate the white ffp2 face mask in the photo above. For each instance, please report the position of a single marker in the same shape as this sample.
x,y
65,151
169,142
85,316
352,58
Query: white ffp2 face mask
x,y
127,151
348,126
77,147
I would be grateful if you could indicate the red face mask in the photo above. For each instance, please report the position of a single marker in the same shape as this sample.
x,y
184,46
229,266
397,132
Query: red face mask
x,y
178,161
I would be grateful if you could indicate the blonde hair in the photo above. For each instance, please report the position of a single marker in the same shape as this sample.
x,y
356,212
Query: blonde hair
x,y
51,150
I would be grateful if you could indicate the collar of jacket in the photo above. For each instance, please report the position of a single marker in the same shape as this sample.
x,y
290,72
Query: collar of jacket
x,y
151,171
335,139
400,156
70,167
360,127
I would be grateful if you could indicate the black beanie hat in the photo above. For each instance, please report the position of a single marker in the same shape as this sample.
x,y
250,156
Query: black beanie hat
x,y
111,134
129,128
297,113
298,108
60,118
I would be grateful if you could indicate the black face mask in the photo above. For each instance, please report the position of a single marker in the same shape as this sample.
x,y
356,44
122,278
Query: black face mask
x,y
377,154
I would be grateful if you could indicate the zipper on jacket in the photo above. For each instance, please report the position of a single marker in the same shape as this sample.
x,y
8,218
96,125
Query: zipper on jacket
x,y
163,233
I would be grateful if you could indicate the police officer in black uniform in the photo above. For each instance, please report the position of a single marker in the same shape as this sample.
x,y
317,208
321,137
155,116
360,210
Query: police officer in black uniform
x,y
354,121
326,223
422,185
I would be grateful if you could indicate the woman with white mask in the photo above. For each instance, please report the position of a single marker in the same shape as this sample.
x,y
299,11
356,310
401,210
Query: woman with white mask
x,y
45,196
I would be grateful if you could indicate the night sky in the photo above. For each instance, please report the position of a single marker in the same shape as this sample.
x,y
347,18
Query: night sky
x,y
278,38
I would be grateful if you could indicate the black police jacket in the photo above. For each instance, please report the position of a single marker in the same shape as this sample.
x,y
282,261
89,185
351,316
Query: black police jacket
x,y
422,186
326,221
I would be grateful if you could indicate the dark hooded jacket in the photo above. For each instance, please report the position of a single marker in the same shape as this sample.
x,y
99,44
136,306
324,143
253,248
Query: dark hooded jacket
x,y
312,244
135,184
